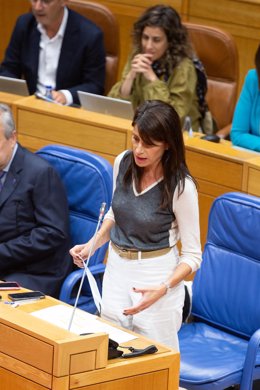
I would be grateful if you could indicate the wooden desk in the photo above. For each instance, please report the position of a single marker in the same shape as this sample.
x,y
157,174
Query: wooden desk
x,y
35,355
218,168
40,123
9,99
252,176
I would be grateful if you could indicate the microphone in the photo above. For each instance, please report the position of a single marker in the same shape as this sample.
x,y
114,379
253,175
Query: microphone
x,y
102,211
101,215
92,282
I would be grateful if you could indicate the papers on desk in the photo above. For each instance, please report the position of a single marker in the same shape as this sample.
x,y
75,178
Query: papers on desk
x,y
83,322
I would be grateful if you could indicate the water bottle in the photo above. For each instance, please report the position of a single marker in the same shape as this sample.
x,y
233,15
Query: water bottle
x,y
187,126
48,91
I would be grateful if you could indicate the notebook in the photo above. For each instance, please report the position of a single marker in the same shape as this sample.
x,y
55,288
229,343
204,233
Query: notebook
x,y
106,105
15,86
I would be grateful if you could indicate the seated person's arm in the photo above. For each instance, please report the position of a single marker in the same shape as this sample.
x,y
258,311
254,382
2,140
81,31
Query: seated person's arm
x,y
246,120
140,64
127,79
137,64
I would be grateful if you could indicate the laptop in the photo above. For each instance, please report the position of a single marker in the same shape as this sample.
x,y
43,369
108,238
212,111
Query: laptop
x,y
15,86
106,105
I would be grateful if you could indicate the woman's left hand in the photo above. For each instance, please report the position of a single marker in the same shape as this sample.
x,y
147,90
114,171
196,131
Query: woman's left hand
x,y
149,296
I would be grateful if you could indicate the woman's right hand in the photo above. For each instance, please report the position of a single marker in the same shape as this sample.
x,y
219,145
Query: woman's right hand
x,y
142,63
79,254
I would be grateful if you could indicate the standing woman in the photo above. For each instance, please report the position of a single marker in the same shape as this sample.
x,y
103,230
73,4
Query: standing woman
x,y
155,203
161,67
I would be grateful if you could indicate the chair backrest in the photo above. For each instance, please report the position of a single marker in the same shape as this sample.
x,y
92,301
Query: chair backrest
x,y
106,21
218,52
226,289
88,182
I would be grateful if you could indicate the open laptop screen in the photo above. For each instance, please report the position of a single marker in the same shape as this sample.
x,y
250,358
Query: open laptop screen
x,y
15,86
106,105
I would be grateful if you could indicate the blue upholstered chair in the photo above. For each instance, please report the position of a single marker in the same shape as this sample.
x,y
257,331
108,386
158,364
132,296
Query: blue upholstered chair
x,y
88,182
220,347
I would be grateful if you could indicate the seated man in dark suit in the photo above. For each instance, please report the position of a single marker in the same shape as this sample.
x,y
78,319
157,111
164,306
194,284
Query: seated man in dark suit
x,y
57,47
34,233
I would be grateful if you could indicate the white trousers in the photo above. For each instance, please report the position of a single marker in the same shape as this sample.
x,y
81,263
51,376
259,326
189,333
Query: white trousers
x,y
162,320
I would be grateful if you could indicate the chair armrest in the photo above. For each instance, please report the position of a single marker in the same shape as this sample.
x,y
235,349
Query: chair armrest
x,y
249,366
74,277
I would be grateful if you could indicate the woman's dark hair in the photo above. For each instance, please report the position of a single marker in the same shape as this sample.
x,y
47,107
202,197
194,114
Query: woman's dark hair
x,y
158,121
169,21
257,64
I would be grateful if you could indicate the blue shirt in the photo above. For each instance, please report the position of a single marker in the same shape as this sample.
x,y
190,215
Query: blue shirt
x,y
245,131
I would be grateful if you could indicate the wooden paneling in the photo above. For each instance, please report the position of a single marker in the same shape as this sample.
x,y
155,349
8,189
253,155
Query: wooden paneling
x,y
13,381
120,377
254,181
22,346
215,170
218,168
23,370
9,99
205,203
253,176
240,18
82,362
40,123
9,12
230,11
57,129
154,381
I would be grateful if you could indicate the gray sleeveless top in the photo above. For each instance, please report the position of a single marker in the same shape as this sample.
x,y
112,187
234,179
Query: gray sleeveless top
x,y
140,223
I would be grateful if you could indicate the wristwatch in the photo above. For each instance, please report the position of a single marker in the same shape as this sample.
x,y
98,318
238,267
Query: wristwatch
x,y
167,285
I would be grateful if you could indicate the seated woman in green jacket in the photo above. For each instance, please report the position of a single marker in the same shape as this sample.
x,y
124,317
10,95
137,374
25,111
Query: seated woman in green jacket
x,y
162,66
